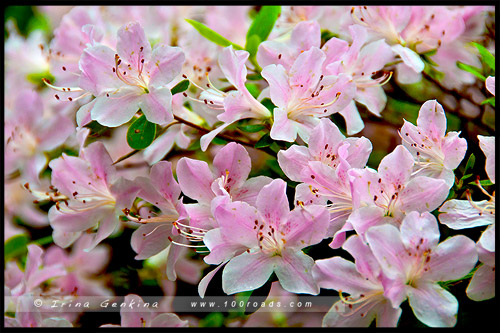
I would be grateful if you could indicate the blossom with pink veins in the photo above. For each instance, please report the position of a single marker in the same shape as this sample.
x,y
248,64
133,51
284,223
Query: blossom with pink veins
x,y
132,78
436,152
322,167
34,274
410,30
364,281
387,195
414,262
82,268
253,242
490,84
462,214
89,196
234,105
165,228
360,61
231,167
137,314
303,95
28,134
482,285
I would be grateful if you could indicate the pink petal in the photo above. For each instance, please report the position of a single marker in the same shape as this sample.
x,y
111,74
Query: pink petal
x,y
272,202
233,162
293,160
132,44
150,239
250,189
118,108
280,91
232,64
433,305
165,64
294,272
423,194
452,259
487,145
396,167
157,105
490,84
96,65
195,179
248,271
353,120
306,226
409,57
482,285
237,222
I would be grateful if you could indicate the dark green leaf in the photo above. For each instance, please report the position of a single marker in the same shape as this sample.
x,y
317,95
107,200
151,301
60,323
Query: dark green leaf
x,y
218,141
141,133
15,246
264,141
263,23
471,69
180,87
251,128
212,35
268,104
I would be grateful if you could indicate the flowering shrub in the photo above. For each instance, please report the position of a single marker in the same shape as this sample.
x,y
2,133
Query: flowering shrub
x,y
157,157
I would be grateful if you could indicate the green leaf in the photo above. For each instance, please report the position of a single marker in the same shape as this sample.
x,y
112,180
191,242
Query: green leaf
x,y
268,104
263,23
252,45
212,35
490,100
471,69
488,58
141,133
485,182
180,87
264,141
252,128
253,89
15,246
470,163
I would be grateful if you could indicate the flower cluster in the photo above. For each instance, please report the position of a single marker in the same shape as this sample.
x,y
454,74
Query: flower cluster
x,y
225,149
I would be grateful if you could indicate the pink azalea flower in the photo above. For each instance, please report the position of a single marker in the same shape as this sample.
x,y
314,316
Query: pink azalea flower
x,y
90,195
236,104
135,77
303,94
414,261
358,61
27,315
482,285
363,281
29,134
257,241
387,195
82,268
231,167
490,84
323,166
159,229
142,316
35,273
361,60
411,30
437,153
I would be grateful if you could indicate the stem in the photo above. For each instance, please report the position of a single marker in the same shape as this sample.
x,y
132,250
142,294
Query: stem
x,y
224,137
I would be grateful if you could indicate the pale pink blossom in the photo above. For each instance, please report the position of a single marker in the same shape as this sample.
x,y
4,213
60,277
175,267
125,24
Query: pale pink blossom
x,y
414,261
437,152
